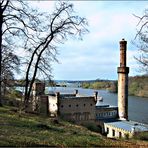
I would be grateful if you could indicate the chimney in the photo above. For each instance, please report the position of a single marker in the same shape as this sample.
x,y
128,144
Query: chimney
x,y
58,103
95,95
123,83
76,92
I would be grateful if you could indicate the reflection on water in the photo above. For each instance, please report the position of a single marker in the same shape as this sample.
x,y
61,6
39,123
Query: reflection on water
x,y
138,106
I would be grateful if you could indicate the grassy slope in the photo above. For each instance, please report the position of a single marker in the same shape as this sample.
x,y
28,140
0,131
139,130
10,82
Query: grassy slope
x,y
32,130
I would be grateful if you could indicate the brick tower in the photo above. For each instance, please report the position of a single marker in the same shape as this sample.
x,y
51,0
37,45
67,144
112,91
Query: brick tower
x,y
123,83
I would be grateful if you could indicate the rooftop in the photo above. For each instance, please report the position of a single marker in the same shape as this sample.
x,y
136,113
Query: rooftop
x,y
105,106
128,125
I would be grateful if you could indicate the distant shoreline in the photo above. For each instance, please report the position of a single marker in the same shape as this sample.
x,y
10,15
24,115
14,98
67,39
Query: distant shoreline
x,y
138,86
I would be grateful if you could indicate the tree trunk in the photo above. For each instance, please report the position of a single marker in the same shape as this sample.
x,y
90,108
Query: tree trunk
x,y
1,33
28,90
37,63
26,96
1,21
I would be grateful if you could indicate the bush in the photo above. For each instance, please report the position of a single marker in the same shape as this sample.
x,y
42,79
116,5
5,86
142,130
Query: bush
x,y
141,136
92,127
17,93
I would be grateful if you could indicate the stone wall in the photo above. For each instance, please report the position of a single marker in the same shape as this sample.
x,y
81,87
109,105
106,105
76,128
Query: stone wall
x,y
38,88
77,108
69,106
43,108
53,105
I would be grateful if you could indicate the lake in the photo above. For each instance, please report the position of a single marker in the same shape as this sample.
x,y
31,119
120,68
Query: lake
x,y
137,106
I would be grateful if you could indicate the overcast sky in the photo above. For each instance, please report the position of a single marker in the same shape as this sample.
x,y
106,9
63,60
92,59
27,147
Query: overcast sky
x,y
97,56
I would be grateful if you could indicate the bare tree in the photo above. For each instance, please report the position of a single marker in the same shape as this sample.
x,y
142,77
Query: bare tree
x,y
19,25
16,23
11,31
38,34
62,23
141,41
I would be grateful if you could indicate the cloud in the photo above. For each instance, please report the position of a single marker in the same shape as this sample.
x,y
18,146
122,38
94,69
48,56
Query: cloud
x,y
46,6
97,56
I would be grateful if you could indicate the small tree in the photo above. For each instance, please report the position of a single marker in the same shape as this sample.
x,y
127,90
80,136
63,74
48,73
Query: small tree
x,y
11,32
142,41
10,63
19,25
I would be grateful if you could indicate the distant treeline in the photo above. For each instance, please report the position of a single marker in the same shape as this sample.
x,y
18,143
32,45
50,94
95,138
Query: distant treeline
x,y
138,86
109,85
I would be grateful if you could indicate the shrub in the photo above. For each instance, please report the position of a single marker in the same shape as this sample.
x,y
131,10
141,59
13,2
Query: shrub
x,y
141,136
92,127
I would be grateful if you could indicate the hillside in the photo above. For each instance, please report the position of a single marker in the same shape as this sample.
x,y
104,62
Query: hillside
x,y
138,86
32,130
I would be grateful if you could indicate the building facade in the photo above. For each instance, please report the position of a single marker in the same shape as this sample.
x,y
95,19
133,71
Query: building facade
x,y
123,128
106,112
112,120
77,108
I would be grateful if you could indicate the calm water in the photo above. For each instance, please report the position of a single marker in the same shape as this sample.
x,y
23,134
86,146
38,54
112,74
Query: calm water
x,y
138,106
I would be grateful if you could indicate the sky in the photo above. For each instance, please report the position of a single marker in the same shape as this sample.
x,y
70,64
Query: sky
x,y
97,55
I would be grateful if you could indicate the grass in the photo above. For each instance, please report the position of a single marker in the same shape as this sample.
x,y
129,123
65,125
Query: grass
x,y
31,130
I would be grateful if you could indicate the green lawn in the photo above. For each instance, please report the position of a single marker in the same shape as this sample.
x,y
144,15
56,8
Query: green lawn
x,y
32,130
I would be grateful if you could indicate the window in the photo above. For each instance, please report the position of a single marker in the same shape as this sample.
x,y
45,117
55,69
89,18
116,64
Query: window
x,y
77,105
120,134
62,106
77,116
86,115
113,132
90,104
107,130
84,104
69,105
